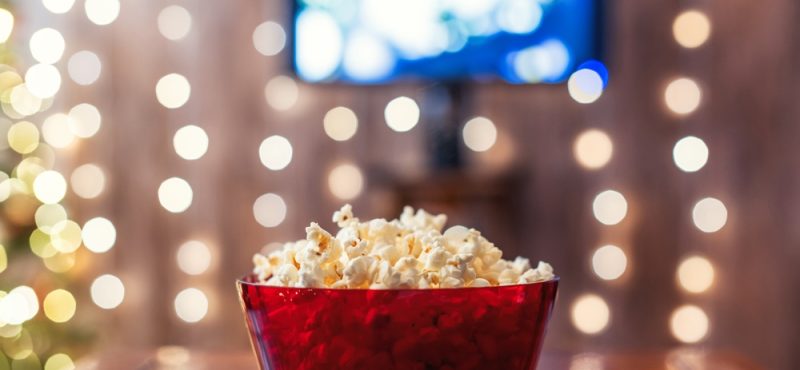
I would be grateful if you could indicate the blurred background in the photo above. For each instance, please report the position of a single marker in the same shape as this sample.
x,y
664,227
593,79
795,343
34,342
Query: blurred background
x,y
645,149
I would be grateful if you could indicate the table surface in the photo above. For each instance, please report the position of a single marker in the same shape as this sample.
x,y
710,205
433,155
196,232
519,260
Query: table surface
x,y
180,358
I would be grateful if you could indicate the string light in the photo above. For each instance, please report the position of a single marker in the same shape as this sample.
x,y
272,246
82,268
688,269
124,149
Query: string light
x,y
194,257
269,210
690,154
590,314
174,22
23,102
269,38
47,45
689,324
3,259
345,181
49,215
19,305
691,29
696,274
107,291
49,187
340,123
593,149
173,91
479,134
56,131
6,24
401,114
102,12
59,306
23,137
175,195
99,235
43,80
191,305
84,67
59,361
86,120
190,142
275,152
281,93
88,181
609,262
58,7
709,215
66,236
610,207
682,96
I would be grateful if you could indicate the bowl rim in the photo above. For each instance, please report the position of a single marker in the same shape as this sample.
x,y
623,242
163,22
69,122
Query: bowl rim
x,y
241,282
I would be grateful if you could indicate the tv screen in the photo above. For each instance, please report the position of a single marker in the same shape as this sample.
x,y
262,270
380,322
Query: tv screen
x,y
384,41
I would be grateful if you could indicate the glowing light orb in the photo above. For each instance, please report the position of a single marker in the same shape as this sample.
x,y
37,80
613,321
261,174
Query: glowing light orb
x,y
709,215
107,291
690,154
269,210
174,22
175,195
340,123
269,38
689,324
191,305
593,149
275,152
190,142
346,181
173,91
590,314
610,207
479,134
401,114
609,262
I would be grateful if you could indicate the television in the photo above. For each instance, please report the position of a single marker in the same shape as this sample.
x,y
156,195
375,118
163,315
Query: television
x,y
385,41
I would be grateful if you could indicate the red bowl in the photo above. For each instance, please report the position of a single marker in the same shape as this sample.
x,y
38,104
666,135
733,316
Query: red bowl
x,y
415,329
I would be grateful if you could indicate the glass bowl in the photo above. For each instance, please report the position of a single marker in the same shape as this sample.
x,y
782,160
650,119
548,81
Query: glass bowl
x,y
415,329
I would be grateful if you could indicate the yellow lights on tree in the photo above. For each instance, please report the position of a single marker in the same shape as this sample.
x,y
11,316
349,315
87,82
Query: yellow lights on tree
x,y
59,306
6,25
49,187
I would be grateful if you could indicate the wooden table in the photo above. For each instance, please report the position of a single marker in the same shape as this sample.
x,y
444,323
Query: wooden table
x,y
178,358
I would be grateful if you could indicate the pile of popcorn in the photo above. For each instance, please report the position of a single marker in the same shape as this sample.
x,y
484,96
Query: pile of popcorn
x,y
410,252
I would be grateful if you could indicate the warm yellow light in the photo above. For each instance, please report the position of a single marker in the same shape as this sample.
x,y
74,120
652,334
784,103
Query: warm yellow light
x,y
99,235
40,244
60,262
590,314
593,149
683,96
709,215
58,7
175,194
340,123
59,306
585,86
88,181
281,93
269,38
107,291
85,120
696,274
691,28
49,187
47,45
59,361
690,154
19,305
190,142
609,262
6,24
275,152
173,90
191,305
102,12
345,181
49,215
194,257
479,134
56,131
66,236
610,207
269,210
174,22
401,114
23,102
3,259
84,67
19,350
43,80
689,324
23,137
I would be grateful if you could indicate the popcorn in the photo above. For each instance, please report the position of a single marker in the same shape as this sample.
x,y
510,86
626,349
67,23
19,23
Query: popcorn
x,y
411,252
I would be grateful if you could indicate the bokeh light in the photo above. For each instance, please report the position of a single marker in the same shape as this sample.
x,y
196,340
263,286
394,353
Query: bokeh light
x,y
709,215
585,86
190,142
66,236
43,80
340,123
610,207
47,45
6,24
691,28
19,305
84,67
107,291
3,259
269,210
58,6
609,262
281,93
690,154
50,187
88,181
479,134
86,120
101,12
59,306
593,149
367,57
191,305
519,16
174,22
173,90
689,324
346,181
23,102
99,235
318,44
59,361
23,137
48,216
401,114
269,38
60,262
275,152
696,274
175,195
590,314
56,131
194,257
683,96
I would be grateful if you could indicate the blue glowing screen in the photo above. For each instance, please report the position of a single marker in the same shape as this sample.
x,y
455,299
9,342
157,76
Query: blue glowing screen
x,y
381,41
